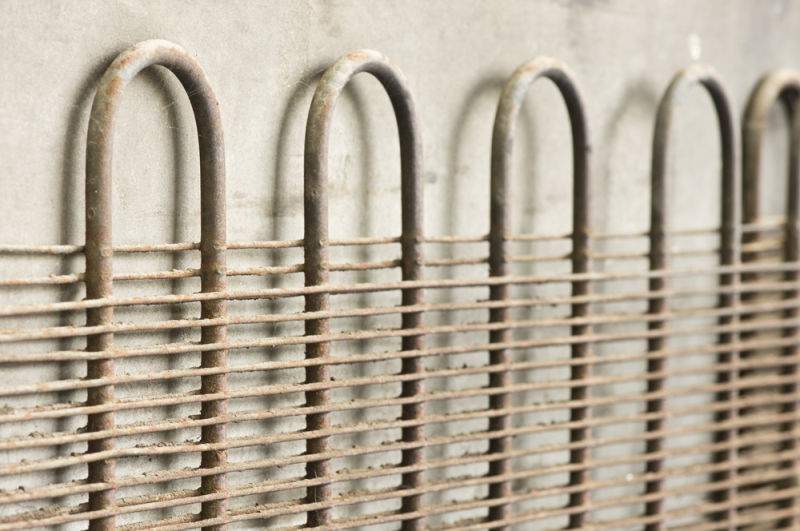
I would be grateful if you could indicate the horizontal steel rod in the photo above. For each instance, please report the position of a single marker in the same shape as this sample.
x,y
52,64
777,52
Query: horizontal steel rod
x,y
262,271
374,287
468,458
61,332
283,508
241,442
761,225
175,424
66,385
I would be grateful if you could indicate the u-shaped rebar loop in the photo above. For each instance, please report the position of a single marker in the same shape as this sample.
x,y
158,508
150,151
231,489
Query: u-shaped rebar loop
x,y
318,129
508,110
658,255
783,86
99,256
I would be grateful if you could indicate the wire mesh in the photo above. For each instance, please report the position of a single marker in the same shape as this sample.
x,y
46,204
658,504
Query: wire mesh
x,y
578,380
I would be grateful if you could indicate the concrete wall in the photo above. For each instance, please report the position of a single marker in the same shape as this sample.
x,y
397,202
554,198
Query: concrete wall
x,y
263,59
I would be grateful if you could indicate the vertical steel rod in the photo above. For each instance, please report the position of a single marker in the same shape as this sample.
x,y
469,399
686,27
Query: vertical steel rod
x,y
659,251
318,130
99,256
508,110
779,86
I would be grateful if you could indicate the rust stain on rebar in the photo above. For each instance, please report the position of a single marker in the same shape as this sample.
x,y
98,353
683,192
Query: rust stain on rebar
x,y
779,86
659,253
317,267
99,256
502,142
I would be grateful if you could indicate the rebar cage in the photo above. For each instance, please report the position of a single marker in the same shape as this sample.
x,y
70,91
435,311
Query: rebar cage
x,y
603,381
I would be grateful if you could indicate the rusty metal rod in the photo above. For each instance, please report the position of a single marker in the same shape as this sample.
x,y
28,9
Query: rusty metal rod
x,y
58,490
99,253
60,332
626,522
503,135
174,424
768,246
47,333
625,318
54,439
755,347
240,442
771,246
707,79
770,224
316,248
282,508
764,420
339,289
180,348
272,486
57,410
779,86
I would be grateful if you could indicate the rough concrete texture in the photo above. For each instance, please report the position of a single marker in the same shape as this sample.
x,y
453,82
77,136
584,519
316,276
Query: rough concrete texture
x,y
263,59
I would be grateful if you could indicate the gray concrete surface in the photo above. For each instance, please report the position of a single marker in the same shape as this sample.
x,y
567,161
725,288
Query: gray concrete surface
x,y
263,58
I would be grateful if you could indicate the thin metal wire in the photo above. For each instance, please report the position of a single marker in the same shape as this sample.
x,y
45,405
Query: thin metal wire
x,y
164,501
49,464
470,459
367,287
263,511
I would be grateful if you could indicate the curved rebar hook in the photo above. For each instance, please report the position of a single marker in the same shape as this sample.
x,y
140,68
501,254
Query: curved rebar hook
x,y
99,254
783,86
508,110
316,254
659,250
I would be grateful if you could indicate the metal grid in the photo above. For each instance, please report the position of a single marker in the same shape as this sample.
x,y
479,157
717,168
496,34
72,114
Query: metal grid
x,y
626,387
